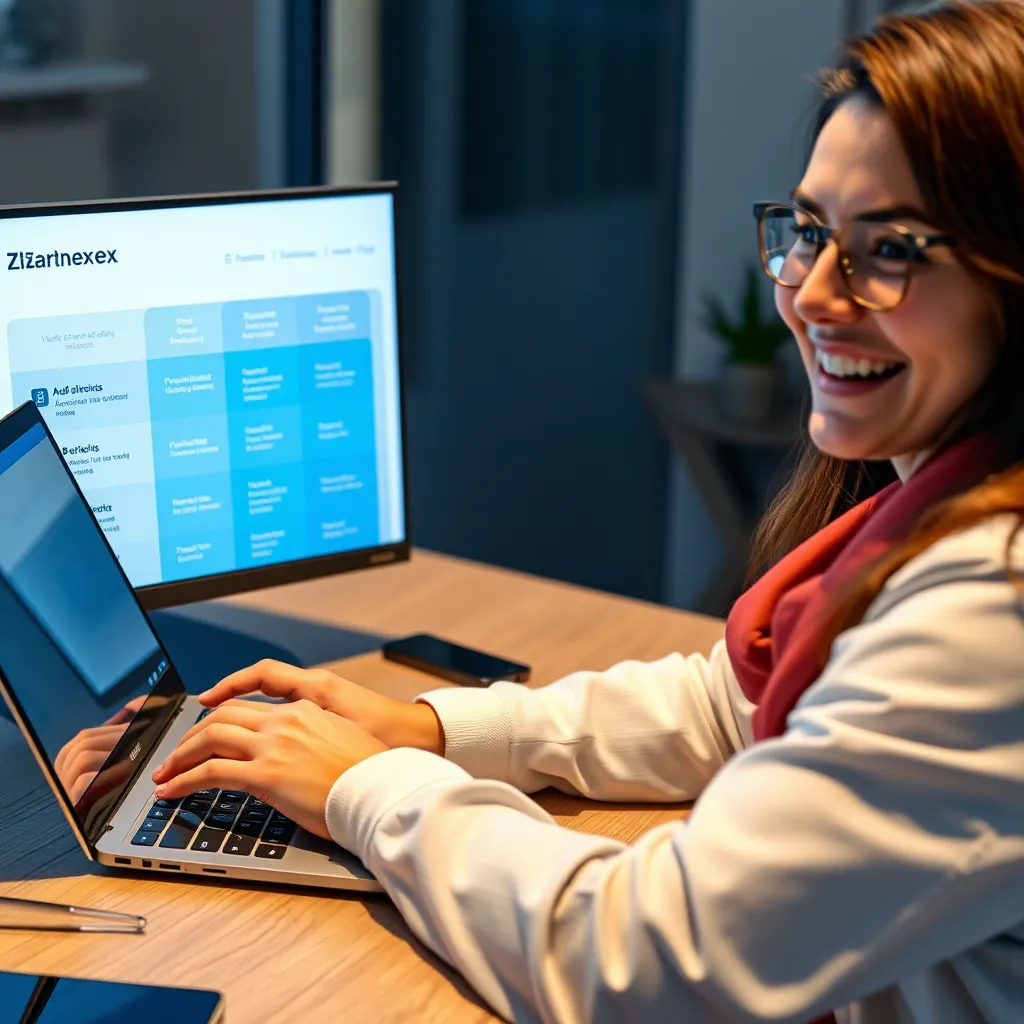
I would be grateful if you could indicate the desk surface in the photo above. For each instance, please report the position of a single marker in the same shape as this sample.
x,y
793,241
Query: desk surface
x,y
308,955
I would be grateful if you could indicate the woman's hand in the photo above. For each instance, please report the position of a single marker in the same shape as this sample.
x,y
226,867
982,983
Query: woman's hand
x,y
288,755
396,723
80,759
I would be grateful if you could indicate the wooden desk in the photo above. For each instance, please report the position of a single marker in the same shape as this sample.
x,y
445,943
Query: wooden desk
x,y
308,955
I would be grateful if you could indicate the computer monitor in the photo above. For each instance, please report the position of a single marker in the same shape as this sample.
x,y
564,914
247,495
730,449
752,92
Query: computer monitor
x,y
222,374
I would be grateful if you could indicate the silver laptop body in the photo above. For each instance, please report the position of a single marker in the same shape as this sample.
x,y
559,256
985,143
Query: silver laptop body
x,y
75,648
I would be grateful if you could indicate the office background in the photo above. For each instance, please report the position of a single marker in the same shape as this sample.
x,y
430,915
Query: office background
x,y
576,175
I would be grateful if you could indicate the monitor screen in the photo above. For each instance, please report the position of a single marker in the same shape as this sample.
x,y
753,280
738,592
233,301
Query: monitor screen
x,y
221,375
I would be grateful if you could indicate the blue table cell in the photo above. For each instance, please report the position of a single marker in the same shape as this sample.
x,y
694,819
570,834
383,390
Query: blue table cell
x,y
194,505
183,331
335,439
337,316
341,505
337,398
270,515
202,554
190,447
265,378
259,323
191,385
265,437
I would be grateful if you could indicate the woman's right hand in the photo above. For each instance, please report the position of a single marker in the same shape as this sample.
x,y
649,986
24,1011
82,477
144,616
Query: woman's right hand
x,y
394,722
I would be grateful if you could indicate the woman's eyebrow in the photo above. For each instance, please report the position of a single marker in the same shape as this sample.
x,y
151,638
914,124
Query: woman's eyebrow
x,y
882,213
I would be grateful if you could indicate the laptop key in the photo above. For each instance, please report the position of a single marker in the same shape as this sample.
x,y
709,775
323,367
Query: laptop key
x,y
180,831
249,828
153,825
208,840
163,813
197,804
234,794
206,794
227,806
271,852
278,834
260,816
143,838
240,846
166,803
224,821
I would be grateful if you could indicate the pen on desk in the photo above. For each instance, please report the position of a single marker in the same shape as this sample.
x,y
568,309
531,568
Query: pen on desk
x,y
40,916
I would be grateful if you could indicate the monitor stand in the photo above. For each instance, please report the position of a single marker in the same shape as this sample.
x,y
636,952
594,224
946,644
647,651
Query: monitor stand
x,y
210,640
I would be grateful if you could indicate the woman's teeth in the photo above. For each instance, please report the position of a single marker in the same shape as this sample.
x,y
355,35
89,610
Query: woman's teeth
x,y
844,366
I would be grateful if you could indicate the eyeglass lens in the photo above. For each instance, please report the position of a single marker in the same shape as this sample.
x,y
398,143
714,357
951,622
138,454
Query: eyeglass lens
x,y
876,257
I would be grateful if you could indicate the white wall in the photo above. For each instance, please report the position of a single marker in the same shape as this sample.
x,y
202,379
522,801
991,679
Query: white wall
x,y
353,92
750,93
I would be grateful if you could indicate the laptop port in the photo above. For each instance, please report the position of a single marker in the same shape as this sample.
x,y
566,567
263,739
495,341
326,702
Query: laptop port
x,y
147,863
171,867
216,871
123,860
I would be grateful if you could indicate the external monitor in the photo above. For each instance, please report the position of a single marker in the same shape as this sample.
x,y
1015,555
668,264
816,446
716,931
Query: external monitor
x,y
222,375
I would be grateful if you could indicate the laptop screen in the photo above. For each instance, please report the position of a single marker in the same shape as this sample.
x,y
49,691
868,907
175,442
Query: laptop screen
x,y
222,376
76,650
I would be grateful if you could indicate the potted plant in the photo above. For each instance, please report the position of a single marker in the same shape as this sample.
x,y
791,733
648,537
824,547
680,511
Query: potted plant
x,y
751,378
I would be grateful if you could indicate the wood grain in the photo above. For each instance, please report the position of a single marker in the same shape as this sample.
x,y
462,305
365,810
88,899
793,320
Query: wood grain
x,y
286,955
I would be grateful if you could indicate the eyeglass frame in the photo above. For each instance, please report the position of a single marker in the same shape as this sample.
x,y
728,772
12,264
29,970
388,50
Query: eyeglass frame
x,y
917,244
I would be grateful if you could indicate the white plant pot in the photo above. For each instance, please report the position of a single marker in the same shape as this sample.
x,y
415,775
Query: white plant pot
x,y
749,394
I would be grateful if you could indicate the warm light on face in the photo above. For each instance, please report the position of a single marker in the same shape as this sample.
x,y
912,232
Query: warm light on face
x,y
885,385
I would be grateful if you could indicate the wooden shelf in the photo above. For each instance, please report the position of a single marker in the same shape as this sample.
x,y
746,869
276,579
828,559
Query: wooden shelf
x,y
690,416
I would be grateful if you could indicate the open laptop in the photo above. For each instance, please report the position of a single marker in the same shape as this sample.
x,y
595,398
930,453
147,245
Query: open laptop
x,y
98,698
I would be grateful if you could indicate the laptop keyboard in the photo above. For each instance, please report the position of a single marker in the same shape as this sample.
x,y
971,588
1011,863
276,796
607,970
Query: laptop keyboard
x,y
217,821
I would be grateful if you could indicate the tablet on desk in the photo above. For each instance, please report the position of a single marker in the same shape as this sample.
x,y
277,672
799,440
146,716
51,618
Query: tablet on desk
x,y
35,999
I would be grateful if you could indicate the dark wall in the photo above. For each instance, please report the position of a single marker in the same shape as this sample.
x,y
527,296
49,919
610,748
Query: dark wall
x,y
536,146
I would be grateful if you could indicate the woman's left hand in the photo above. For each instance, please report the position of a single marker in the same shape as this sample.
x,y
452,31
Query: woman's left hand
x,y
288,755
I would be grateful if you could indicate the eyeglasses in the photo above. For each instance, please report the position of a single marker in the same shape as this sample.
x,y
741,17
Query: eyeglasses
x,y
877,259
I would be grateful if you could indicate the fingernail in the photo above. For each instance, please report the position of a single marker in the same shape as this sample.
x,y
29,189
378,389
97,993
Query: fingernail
x,y
161,791
157,770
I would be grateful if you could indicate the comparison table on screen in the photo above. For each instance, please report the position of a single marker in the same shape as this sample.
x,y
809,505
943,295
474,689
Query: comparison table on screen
x,y
218,436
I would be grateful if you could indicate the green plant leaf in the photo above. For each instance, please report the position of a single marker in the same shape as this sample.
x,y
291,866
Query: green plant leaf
x,y
749,338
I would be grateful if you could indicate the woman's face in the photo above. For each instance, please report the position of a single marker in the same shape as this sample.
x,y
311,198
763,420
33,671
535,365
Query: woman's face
x,y
943,336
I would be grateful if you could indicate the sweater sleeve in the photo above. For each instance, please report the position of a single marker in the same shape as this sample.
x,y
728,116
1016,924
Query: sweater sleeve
x,y
881,835
640,731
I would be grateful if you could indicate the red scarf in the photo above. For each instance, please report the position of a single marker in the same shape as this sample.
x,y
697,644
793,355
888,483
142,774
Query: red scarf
x,y
774,631
773,634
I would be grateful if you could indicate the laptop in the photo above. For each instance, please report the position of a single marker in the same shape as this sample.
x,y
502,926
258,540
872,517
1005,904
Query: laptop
x,y
100,703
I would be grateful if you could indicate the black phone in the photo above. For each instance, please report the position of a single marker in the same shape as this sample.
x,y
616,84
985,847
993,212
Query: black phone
x,y
450,661
35,999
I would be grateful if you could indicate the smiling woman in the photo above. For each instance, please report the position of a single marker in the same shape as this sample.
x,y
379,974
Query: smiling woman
x,y
856,745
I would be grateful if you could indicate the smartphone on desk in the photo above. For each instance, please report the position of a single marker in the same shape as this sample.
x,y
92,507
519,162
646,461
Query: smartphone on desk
x,y
450,661
35,999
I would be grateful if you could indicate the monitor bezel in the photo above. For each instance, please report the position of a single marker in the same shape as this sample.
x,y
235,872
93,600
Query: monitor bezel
x,y
240,581
150,722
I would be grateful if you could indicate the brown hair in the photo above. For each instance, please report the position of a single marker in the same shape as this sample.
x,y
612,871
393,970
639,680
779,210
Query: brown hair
x,y
951,78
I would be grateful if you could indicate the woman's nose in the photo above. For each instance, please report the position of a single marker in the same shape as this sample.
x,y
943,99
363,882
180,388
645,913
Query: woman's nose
x,y
823,296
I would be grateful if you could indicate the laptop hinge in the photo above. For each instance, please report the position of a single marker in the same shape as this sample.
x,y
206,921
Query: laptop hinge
x,y
105,824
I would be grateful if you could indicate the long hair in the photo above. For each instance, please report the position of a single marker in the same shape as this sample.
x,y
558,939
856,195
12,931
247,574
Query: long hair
x,y
951,79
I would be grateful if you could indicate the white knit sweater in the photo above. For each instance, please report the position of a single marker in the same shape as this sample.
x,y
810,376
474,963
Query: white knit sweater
x,y
872,858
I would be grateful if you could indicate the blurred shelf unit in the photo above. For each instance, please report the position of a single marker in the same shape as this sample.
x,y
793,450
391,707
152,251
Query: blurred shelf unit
x,y
71,78
54,131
